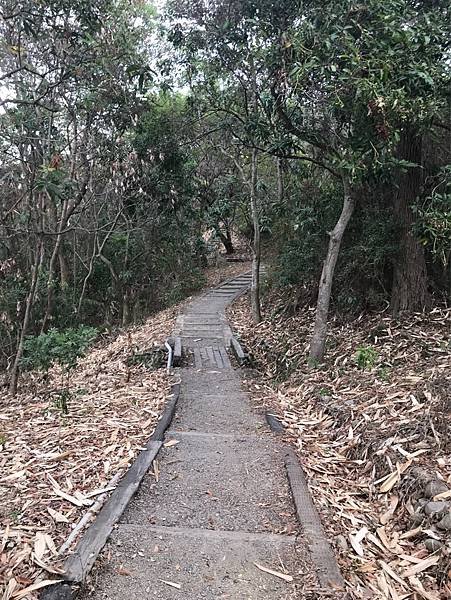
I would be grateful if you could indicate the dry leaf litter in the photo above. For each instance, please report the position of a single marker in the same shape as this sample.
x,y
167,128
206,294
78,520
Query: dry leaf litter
x,y
374,440
56,470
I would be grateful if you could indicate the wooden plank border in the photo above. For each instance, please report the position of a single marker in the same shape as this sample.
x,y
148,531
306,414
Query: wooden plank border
x,y
323,557
238,351
79,563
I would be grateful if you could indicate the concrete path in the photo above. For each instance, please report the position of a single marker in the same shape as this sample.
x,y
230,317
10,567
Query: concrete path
x,y
219,500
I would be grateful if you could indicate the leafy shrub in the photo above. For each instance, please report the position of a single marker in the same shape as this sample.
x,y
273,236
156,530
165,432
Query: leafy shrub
x,y
61,347
366,357
61,400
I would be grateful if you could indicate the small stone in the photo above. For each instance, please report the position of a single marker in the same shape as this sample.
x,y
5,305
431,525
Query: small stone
x,y
433,545
435,487
432,509
417,517
445,523
419,504
341,542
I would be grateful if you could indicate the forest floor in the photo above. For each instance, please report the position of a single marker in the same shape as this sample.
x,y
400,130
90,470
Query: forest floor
x,y
372,428
54,467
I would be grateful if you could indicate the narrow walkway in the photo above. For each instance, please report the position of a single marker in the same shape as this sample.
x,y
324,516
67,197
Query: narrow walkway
x,y
219,501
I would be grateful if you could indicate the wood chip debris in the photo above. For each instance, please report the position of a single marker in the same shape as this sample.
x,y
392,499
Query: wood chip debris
x,y
278,574
177,586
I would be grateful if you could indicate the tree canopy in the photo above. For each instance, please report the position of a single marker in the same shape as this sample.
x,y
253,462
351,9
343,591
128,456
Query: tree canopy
x,y
319,130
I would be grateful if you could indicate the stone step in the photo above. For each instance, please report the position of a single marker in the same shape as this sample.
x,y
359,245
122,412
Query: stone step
x,y
201,319
201,325
196,336
142,562
203,331
213,482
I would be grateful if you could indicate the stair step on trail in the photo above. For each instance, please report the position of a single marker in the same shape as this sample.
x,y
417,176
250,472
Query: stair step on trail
x,y
174,564
218,502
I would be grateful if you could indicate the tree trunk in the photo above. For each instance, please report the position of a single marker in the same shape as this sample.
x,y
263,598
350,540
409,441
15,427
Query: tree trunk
x,y
26,320
126,309
256,252
64,268
318,343
280,186
226,241
409,290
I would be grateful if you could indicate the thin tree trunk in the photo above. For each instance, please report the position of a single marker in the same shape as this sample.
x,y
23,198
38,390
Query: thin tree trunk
x,y
126,311
26,320
409,290
64,269
318,343
256,251
88,275
280,186
51,280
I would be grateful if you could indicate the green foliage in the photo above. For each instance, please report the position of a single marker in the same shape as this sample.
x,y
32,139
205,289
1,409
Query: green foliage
x,y
60,400
57,347
383,373
433,224
362,275
366,357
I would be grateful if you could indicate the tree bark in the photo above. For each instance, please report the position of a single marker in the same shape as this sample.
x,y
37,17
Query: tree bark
x,y
26,320
51,280
280,185
64,269
410,289
318,343
226,241
256,250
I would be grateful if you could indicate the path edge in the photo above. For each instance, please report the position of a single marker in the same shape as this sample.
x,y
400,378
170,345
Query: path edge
x,y
96,535
323,557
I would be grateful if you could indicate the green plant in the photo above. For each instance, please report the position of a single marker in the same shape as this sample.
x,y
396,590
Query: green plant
x,y
15,514
383,373
2,439
57,347
366,357
60,400
313,363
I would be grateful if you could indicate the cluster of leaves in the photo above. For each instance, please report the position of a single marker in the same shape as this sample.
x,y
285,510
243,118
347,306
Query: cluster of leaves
x,y
433,225
61,347
366,357
339,86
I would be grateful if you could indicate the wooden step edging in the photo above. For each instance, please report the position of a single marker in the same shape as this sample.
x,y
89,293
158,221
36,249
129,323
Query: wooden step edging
x,y
323,557
274,422
177,355
79,563
238,351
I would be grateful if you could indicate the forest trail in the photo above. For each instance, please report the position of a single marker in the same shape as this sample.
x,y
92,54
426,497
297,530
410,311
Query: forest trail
x,y
219,500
